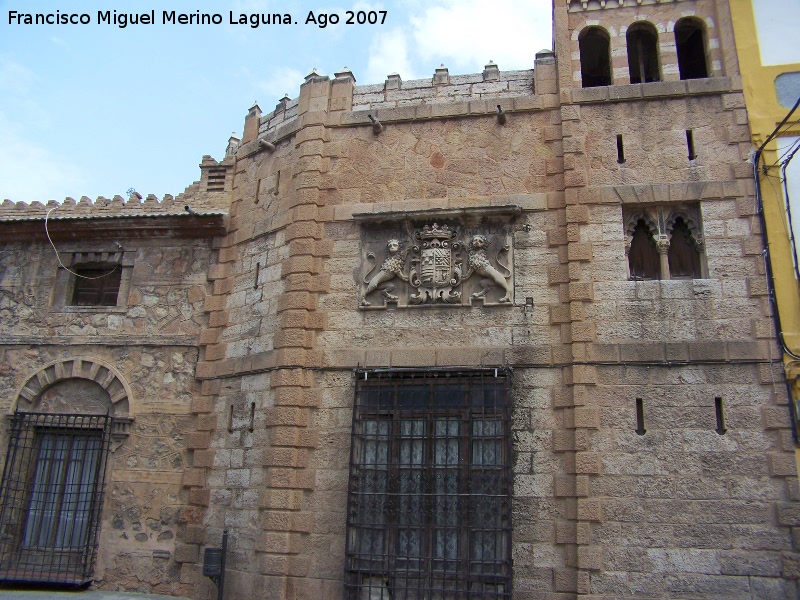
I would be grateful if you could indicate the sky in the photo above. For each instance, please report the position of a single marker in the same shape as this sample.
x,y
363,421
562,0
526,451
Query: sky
x,y
96,109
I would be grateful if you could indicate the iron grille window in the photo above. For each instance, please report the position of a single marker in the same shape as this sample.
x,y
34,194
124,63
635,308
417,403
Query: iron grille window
x,y
429,505
51,497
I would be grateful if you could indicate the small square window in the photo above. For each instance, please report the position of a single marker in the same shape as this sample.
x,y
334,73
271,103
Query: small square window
x,y
96,285
93,279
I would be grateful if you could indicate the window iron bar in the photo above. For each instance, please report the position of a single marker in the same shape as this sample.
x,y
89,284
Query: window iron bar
x,y
51,497
430,484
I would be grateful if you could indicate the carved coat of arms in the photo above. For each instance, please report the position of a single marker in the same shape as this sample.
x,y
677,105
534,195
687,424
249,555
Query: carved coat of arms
x,y
434,265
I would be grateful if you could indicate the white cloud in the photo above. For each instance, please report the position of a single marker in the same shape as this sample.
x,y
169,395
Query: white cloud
x,y
280,81
15,77
388,53
465,35
59,42
29,172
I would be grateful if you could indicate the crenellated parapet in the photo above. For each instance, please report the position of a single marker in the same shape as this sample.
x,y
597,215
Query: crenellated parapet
x,y
476,92
101,206
210,194
444,88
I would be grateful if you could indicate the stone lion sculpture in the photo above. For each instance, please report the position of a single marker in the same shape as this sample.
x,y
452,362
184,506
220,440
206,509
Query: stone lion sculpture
x,y
478,262
392,267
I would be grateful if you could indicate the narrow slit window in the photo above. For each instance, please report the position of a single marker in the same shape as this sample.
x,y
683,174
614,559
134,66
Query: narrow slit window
x,y
640,430
230,420
252,416
720,412
690,144
620,150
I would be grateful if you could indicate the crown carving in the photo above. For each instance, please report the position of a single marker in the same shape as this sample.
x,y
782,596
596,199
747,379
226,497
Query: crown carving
x,y
435,232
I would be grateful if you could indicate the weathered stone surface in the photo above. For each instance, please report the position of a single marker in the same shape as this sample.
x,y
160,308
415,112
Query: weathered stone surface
x,y
269,317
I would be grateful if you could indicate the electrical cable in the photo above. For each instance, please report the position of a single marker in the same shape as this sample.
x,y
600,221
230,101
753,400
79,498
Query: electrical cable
x,y
785,164
769,273
760,210
776,191
791,149
768,266
58,258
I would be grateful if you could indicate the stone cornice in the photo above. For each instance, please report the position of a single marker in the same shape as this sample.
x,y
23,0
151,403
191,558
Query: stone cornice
x,y
644,354
110,341
471,214
112,226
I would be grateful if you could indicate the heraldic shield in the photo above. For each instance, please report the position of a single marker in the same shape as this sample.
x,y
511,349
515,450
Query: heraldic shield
x,y
439,264
435,265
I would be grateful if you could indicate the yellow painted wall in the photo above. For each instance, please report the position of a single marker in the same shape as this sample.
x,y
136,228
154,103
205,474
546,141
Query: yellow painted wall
x,y
764,114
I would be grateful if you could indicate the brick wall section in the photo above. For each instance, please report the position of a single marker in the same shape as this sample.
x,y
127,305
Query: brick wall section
x,y
598,510
574,401
270,440
260,355
682,499
206,410
268,447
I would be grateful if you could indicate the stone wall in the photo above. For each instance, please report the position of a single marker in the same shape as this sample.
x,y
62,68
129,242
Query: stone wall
x,y
627,483
616,20
598,509
684,510
148,342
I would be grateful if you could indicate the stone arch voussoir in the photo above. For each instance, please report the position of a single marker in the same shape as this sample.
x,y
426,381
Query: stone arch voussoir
x,y
93,369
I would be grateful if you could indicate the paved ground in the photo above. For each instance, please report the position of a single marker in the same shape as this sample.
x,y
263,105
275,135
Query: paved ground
x,y
94,595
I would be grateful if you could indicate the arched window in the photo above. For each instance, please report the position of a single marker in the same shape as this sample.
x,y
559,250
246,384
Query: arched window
x,y
684,256
690,39
643,255
642,41
69,415
595,57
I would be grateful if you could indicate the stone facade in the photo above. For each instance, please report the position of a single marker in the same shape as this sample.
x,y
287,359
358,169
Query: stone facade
x,y
651,433
138,356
